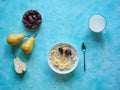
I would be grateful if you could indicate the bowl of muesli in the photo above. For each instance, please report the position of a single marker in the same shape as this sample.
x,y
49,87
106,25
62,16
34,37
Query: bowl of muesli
x,y
63,58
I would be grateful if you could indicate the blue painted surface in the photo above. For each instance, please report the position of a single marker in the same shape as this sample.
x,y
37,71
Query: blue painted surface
x,y
63,21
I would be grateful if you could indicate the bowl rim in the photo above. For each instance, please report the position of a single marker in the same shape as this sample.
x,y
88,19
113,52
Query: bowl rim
x,y
63,72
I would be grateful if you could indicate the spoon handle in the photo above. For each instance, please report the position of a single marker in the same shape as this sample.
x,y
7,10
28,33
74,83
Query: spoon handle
x,y
84,62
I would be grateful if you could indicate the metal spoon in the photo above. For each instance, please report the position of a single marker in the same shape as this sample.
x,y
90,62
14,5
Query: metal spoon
x,y
84,49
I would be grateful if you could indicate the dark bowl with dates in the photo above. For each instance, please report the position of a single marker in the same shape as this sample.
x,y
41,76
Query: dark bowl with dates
x,y
32,19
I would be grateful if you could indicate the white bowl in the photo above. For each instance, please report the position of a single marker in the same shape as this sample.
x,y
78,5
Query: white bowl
x,y
97,23
59,71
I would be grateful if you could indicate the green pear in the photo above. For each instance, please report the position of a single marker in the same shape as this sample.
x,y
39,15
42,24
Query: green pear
x,y
20,67
14,39
28,45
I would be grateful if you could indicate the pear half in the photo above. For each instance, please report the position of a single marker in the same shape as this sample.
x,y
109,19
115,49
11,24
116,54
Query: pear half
x,y
20,67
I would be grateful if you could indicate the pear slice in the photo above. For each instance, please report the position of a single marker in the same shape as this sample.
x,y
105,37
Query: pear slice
x,y
20,67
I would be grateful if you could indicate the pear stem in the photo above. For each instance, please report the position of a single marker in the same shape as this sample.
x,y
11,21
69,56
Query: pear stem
x,y
35,35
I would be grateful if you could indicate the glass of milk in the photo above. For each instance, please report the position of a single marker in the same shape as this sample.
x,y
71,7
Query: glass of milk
x,y
97,23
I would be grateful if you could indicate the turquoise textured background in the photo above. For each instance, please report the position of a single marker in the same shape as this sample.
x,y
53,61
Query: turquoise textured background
x,y
63,21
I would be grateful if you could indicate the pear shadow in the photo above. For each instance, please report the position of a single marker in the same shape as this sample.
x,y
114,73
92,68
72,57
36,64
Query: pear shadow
x,y
15,48
24,55
20,76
